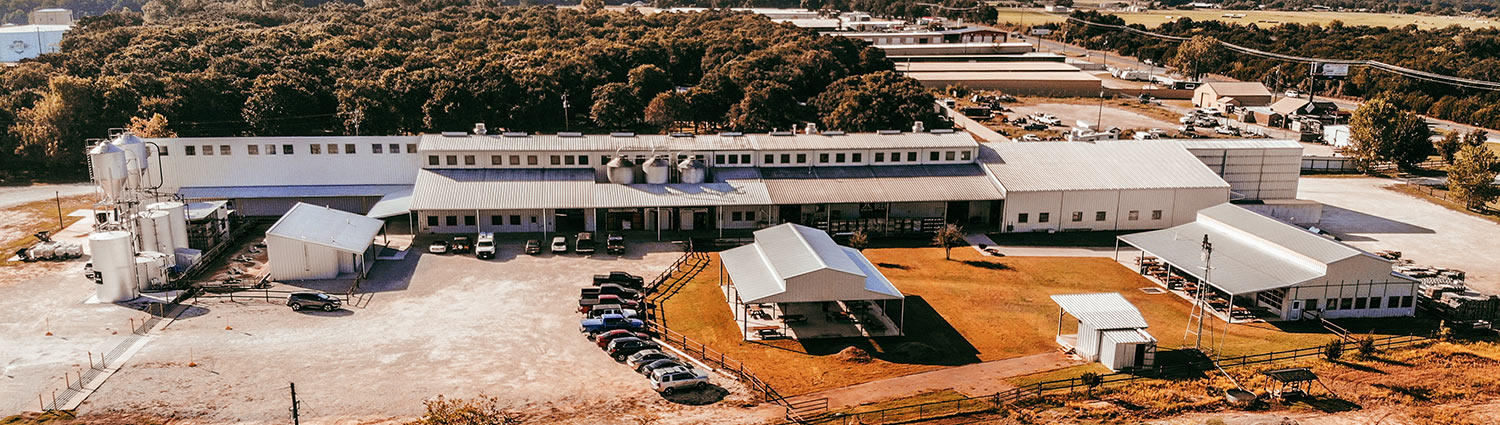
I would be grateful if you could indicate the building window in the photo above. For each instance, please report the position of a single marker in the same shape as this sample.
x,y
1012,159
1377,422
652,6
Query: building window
x,y
315,149
224,150
856,157
786,158
288,149
879,156
376,148
1346,303
1099,216
270,149
933,156
432,160
1406,301
745,158
895,156
452,159
1043,217
208,150
964,155
1393,302
1078,216
451,220
349,148
1333,304
568,160
719,159
583,160
411,148
737,216
1310,304
497,160
1359,303
822,158
469,220
1022,217
432,220
949,155
515,220
515,160
801,158
749,215
839,158
468,159
911,157
162,151
1374,302
190,150
252,149
333,148
1156,214
770,159
734,159
556,160
1134,215
396,148
496,220
532,160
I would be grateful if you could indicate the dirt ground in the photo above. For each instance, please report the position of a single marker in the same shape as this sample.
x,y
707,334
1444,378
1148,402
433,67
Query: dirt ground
x,y
1365,214
425,326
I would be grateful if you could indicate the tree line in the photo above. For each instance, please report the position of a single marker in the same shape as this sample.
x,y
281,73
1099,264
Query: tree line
x,y
401,67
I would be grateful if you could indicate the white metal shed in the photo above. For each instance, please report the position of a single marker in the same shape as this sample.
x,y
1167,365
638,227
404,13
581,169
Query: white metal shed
x,y
313,242
1110,330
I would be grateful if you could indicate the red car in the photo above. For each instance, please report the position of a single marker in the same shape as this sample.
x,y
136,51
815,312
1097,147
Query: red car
x,y
608,299
602,340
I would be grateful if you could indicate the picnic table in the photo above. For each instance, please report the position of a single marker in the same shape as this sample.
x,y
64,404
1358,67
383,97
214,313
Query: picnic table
x,y
793,318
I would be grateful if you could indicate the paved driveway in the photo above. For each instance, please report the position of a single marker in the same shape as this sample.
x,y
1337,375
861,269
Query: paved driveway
x,y
1365,214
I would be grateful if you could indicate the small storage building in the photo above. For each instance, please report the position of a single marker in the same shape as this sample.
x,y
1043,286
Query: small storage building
x,y
313,242
1238,94
1110,330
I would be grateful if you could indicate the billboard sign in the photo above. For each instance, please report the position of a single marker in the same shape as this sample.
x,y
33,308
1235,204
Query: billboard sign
x,y
1331,71
1041,31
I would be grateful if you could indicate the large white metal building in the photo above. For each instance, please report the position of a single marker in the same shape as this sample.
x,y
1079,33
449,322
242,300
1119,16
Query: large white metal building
x,y
314,242
1256,169
1261,263
18,42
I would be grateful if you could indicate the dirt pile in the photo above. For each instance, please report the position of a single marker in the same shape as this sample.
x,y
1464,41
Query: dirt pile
x,y
853,355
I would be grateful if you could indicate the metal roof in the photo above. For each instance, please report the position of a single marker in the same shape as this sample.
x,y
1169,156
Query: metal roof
x,y
492,189
985,67
1128,336
392,204
1238,89
327,227
1104,165
1240,144
666,144
1101,311
302,191
25,29
1251,252
779,267
201,210
1296,374
903,183
1002,76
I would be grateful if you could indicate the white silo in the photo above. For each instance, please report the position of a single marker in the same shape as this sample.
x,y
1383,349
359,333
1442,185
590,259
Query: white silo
x,y
658,170
177,220
692,171
108,164
145,232
620,170
161,226
114,261
136,158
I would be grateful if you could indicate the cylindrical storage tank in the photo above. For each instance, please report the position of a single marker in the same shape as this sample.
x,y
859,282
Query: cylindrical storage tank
x,y
619,170
692,170
161,221
114,260
658,170
109,169
136,157
177,220
145,231
150,269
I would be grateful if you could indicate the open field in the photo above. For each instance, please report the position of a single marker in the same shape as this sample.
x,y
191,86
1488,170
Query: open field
x,y
19,222
1035,16
975,308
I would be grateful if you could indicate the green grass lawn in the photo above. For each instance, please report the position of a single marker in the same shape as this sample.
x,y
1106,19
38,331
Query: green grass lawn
x,y
1261,18
972,309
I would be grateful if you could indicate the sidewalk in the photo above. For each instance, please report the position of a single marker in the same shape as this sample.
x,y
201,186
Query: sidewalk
x,y
972,380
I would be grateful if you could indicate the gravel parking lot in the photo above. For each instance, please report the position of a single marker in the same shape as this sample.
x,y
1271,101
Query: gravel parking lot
x,y
1363,213
427,325
1070,114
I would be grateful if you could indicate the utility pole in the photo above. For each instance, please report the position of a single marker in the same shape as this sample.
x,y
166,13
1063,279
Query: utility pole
x,y
57,197
295,419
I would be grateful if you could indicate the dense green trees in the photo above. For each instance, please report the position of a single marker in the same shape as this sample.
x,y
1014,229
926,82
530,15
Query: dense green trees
x,y
1471,177
406,66
1381,131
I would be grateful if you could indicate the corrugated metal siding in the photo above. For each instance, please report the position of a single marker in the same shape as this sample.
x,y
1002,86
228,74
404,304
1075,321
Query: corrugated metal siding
x,y
793,250
297,260
1101,311
811,185
1104,165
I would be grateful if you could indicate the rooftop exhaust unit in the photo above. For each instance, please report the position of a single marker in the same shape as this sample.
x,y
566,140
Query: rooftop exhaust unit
x,y
918,127
480,129
812,128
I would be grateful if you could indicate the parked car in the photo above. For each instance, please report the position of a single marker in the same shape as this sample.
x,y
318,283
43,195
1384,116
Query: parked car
x,y
647,368
461,244
608,289
622,278
1228,131
645,357
1293,93
670,380
610,322
603,339
1030,138
614,244
586,304
608,309
621,348
438,247
298,300
584,243
484,249
1035,126
560,244
533,247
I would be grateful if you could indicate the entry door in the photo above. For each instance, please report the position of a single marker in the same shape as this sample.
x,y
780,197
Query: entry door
x,y
1140,356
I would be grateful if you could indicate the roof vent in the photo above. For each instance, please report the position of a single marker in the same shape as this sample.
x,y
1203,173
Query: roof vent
x,y
682,135
731,134
832,133
781,133
889,132
941,131
514,134
480,129
569,134
622,134
455,134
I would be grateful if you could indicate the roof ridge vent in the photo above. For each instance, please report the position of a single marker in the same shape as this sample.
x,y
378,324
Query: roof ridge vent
x,y
781,133
888,132
681,135
832,133
515,134
731,134
455,134
570,134
622,134
941,131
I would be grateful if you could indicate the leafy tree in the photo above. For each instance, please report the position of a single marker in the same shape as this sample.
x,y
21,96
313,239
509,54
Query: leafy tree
x,y
766,105
482,410
614,106
1449,145
51,130
649,80
878,101
1091,380
711,99
1197,57
592,5
1380,131
156,126
1471,176
949,236
1476,138
859,240
668,109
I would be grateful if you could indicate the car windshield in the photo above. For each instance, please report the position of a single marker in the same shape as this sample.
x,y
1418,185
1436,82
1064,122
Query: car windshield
x,y
485,244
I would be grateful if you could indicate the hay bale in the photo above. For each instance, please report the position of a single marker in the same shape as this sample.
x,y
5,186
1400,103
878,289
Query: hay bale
x,y
853,355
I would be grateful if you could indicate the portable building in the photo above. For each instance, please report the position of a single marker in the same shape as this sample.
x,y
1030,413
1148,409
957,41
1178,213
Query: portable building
x,y
313,242
1110,330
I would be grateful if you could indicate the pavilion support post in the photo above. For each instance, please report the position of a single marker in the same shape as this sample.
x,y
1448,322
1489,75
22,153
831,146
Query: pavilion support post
x,y
903,316
1117,250
1229,313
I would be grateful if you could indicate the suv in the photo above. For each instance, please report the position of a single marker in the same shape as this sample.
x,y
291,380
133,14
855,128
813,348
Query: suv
x,y
461,244
298,300
533,247
484,249
669,380
584,244
620,348
614,244
560,244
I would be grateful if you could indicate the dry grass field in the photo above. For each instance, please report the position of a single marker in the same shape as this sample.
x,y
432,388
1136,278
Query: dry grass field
x,y
1033,16
972,309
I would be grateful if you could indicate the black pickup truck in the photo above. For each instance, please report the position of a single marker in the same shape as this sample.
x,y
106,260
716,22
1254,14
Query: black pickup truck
x,y
623,279
608,289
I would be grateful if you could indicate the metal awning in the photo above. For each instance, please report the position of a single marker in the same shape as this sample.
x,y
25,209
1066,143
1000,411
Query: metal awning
x,y
392,204
1101,311
298,191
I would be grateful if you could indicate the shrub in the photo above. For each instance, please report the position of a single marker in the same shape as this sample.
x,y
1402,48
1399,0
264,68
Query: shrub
x,y
1366,346
1333,350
